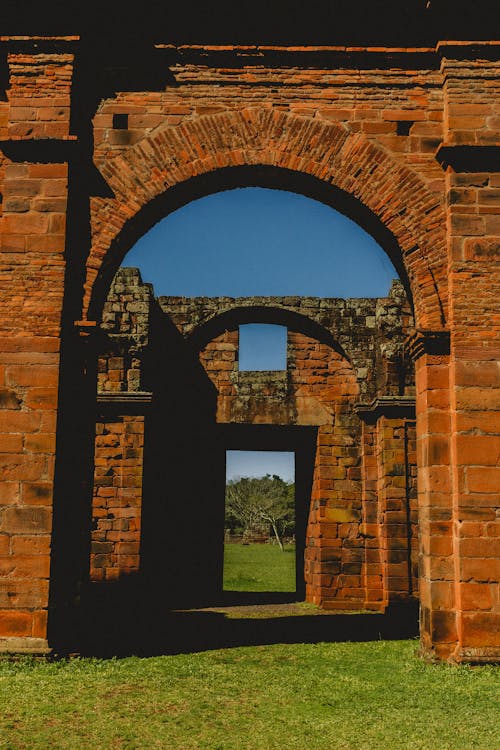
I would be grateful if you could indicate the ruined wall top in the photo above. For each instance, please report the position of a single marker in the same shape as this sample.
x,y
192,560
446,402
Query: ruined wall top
x,y
336,314
369,332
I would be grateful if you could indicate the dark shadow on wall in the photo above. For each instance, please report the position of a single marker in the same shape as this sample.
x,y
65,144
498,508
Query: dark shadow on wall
x,y
182,526
182,545
231,319
74,467
183,494
184,480
182,540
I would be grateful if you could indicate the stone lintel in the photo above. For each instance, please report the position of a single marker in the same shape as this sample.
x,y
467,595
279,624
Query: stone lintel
x,y
393,407
123,404
427,342
125,398
259,377
24,645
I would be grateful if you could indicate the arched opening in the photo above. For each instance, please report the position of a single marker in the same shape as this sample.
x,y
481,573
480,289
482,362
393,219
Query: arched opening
x,y
173,400
258,241
233,179
124,218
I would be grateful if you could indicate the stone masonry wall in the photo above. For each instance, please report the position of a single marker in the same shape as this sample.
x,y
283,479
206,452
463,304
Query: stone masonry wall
x,y
119,435
319,387
33,204
371,332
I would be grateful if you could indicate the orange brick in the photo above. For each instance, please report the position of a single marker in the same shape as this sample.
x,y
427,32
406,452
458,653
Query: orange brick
x,y
474,596
483,479
14,623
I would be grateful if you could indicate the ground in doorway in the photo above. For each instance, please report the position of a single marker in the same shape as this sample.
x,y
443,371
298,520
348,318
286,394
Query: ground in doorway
x,y
259,567
278,609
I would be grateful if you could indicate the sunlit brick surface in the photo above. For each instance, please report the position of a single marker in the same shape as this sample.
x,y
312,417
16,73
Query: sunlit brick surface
x,y
405,141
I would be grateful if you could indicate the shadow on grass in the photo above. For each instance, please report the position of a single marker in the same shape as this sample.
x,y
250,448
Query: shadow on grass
x,y
114,628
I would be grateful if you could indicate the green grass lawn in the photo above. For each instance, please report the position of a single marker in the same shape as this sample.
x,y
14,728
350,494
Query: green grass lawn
x,y
323,697
259,567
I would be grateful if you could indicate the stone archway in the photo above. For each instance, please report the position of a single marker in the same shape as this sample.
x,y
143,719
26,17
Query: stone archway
x,y
376,126
170,157
409,217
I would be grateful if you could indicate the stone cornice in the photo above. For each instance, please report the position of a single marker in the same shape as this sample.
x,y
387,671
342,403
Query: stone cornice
x,y
393,407
135,397
473,158
313,56
41,150
127,401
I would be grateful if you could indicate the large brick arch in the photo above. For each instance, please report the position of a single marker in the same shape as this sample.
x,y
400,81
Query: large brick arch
x,y
410,218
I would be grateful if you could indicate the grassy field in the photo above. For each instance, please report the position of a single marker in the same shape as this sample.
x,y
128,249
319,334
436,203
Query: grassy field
x,y
324,697
259,567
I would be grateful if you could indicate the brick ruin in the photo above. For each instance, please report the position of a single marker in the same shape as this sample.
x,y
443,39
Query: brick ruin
x,y
106,128
346,384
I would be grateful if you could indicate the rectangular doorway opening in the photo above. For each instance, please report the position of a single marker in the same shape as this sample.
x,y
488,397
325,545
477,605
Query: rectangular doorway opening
x,y
260,522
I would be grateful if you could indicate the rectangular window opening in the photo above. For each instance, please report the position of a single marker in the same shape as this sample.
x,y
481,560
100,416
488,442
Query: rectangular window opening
x,y
259,520
403,127
120,122
262,347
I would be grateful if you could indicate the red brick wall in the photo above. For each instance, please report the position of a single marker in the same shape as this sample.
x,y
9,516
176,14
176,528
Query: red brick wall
x,y
32,264
333,117
392,494
272,136
472,111
39,94
320,388
116,508
386,98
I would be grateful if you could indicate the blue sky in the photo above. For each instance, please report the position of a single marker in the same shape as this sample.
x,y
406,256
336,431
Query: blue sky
x,y
257,241
260,463
262,347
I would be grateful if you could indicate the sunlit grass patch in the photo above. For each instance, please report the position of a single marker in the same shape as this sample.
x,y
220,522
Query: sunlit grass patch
x,y
321,696
259,567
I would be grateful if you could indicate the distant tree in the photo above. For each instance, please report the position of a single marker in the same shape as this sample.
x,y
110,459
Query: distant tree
x,y
252,502
241,511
